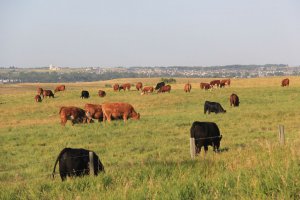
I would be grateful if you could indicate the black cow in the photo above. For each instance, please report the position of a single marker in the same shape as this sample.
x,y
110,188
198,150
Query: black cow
x,y
205,134
213,107
159,85
85,94
75,162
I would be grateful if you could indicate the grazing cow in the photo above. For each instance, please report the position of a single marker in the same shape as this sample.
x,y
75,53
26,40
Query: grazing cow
x,y
76,115
40,91
234,100
159,85
38,98
75,162
213,107
146,90
118,110
139,86
205,134
101,93
215,82
116,87
93,111
187,87
225,82
222,85
163,89
60,88
285,82
85,94
126,86
205,86
48,93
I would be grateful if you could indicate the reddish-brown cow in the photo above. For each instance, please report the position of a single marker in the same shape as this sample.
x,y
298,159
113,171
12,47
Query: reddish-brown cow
x,y
187,87
48,93
234,100
101,93
148,89
118,110
38,98
139,86
126,86
205,86
285,82
60,88
215,82
165,88
93,111
225,82
76,115
116,87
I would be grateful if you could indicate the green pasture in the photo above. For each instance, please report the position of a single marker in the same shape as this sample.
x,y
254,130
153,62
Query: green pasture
x,y
150,158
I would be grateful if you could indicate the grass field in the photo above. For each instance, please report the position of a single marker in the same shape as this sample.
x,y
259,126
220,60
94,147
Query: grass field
x,y
150,158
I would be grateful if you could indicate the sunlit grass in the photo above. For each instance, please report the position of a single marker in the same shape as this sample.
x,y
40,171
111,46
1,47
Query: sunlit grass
x,y
150,158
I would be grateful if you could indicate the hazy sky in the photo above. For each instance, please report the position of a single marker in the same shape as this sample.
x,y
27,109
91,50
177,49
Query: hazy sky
x,y
149,33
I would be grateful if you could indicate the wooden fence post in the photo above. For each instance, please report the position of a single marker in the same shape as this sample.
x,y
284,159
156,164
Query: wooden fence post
x,y
192,148
91,163
281,135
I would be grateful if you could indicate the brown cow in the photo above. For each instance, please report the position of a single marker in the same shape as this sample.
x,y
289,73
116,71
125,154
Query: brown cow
x,y
48,93
38,98
205,86
76,115
234,100
148,89
225,82
118,110
116,87
187,87
285,82
165,88
139,86
101,93
126,86
93,111
215,82
40,91
60,88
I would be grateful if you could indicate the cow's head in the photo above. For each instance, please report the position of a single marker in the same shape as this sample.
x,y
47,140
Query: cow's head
x,y
136,116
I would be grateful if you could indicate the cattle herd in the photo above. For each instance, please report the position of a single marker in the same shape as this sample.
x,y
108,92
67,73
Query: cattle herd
x,y
75,162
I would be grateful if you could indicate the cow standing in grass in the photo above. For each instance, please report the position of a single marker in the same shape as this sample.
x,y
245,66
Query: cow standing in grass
x,y
205,134
139,86
76,115
75,162
187,87
285,82
93,111
48,93
119,110
60,88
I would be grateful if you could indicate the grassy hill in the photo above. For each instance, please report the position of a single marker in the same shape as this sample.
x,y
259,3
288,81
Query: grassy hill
x,y
149,158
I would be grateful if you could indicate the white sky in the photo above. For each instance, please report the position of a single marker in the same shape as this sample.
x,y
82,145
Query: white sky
x,y
149,32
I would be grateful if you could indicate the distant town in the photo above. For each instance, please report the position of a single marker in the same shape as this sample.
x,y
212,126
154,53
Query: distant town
x,y
54,73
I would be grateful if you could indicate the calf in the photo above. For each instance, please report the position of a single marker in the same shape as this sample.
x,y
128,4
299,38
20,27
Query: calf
x,y
285,82
38,98
213,107
146,90
205,134
60,88
116,87
139,86
75,162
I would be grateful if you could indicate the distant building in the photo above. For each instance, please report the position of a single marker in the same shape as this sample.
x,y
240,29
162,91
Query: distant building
x,y
54,68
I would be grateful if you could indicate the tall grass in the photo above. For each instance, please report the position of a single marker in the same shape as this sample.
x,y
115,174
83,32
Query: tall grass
x,y
149,158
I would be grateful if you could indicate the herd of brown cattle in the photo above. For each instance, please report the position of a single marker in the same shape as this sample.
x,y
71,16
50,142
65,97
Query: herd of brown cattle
x,y
120,110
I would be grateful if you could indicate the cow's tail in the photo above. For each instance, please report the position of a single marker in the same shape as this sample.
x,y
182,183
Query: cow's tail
x,y
58,157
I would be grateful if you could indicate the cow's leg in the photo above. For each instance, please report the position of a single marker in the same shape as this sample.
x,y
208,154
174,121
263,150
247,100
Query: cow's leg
x,y
125,116
205,149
